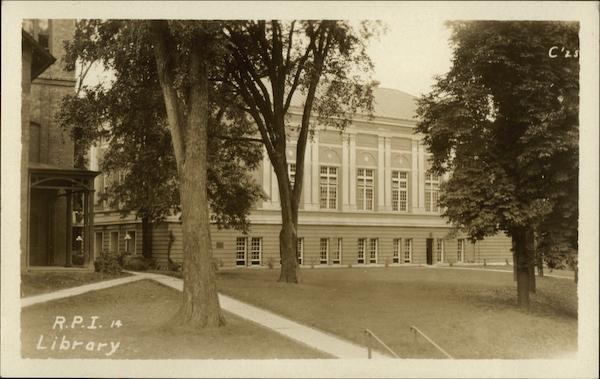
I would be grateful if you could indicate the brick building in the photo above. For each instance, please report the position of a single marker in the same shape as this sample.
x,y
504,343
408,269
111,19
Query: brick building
x,y
367,200
56,198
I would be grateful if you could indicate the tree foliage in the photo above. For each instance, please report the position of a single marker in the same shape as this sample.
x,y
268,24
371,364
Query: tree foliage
x,y
130,114
504,122
321,64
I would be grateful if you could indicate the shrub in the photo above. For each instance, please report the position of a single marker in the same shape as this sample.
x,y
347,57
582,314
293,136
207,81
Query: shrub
x,y
138,263
77,259
107,263
173,266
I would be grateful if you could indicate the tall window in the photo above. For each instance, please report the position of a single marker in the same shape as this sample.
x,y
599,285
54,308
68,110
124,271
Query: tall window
x,y
241,247
373,250
408,250
328,187
107,181
255,250
361,250
365,188
114,242
336,258
324,251
396,253
99,243
400,191
300,250
367,246
292,173
460,250
432,192
439,250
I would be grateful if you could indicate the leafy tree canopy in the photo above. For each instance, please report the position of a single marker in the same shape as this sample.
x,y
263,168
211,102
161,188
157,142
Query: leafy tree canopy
x,y
319,65
504,122
130,113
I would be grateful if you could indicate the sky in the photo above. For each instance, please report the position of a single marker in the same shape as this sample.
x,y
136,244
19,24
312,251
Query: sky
x,y
406,57
410,54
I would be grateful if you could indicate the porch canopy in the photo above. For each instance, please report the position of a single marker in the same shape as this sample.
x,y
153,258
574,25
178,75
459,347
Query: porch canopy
x,y
61,220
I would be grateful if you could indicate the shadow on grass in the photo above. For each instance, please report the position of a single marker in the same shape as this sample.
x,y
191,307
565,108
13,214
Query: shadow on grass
x,y
546,302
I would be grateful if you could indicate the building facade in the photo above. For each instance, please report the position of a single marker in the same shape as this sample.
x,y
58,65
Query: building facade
x,y
56,198
367,200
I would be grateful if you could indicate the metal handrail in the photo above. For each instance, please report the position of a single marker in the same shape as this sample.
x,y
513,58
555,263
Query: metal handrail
x,y
369,348
416,330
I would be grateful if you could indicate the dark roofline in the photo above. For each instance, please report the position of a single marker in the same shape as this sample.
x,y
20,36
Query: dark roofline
x,y
41,58
35,167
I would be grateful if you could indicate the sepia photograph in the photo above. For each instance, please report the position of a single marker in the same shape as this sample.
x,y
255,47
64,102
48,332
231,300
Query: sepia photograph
x,y
408,189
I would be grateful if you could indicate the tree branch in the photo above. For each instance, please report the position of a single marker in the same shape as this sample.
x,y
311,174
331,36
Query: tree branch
x,y
289,47
299,69
160,35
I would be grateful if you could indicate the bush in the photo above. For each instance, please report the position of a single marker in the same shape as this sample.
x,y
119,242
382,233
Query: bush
x,y
107,263
138,263
173,266
77,259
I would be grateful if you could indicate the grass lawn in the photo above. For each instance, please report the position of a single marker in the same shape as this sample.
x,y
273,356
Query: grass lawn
x,y
144,309
471,314
35,283
562,273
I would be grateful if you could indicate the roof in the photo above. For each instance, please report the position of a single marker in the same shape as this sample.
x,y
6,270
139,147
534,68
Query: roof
x,y
394,103
387,102
52,169
41,59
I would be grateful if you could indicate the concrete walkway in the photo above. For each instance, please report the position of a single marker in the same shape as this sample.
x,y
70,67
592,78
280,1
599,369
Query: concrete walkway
x,y
74,291
308,336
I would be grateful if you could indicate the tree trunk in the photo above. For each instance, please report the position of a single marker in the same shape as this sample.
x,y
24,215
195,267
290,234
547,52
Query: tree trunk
x,y
514,254
188,125
201,302
147,229
288,237
287,251
530,251
522,264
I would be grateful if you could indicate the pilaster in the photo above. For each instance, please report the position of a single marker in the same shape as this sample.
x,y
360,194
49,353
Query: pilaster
x,y
414,176
352,171
380,174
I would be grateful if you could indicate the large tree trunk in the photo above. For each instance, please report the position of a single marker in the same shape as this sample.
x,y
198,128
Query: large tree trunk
x,y
530,251
188,125
147,229
519,237
539,258
201,302
514,255
287,250
288,237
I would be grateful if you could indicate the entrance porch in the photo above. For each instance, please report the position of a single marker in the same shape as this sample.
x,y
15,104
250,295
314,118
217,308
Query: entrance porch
x,y
60,230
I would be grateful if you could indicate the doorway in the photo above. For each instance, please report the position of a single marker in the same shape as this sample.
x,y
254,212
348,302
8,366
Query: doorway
x,y
429,251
